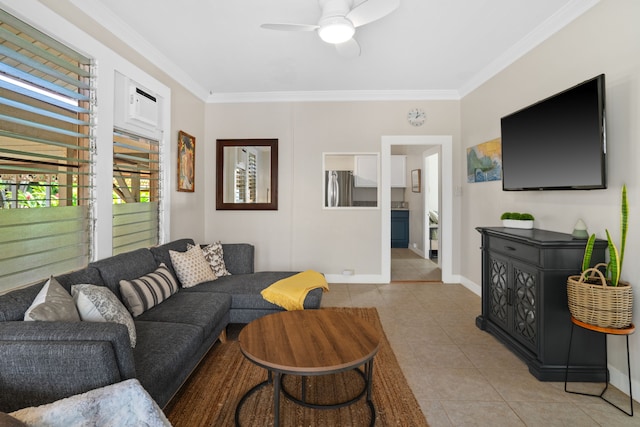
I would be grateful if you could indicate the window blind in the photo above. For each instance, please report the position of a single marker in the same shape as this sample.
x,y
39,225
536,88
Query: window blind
x,y
136,185
46,102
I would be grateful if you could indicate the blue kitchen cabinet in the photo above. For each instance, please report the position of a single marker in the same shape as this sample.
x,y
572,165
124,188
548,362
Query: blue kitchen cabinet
x,y
399,229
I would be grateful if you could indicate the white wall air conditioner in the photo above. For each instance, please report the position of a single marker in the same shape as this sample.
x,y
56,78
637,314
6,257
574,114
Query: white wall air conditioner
x,y
143,106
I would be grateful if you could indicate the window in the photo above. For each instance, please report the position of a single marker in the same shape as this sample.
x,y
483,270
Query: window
x,y
135,192
245,175
45,155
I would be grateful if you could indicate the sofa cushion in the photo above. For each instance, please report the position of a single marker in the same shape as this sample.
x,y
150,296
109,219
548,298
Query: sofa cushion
x,y
161,252
161,348
244,288
239,257
205,310
85,275
53,303
125,266
98,304
140,294
13,304
191,267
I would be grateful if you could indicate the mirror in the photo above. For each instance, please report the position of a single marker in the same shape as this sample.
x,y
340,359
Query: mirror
x,y
350,180
247,174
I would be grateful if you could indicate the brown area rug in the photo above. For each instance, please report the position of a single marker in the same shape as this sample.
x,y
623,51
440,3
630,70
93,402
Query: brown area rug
x,y
210,396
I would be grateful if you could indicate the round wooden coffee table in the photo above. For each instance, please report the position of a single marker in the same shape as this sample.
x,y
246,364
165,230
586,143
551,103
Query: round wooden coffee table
x,y
309,343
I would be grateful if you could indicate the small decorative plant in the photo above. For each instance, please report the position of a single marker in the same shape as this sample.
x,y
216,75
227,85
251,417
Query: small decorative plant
x,y
517,220
614,267
517,216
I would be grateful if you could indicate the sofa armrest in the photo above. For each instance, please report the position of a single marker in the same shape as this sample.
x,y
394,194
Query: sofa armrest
x,y
239,257
41,362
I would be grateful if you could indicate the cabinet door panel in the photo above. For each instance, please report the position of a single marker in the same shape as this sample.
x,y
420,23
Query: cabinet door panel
x,y
366,171
498,291
525,317
398,171
399,229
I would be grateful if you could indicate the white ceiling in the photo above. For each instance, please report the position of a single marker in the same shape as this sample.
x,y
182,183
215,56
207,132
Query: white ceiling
x,y
426,49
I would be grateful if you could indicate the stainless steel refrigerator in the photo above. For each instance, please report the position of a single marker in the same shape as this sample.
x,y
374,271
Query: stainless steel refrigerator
x,y
339,188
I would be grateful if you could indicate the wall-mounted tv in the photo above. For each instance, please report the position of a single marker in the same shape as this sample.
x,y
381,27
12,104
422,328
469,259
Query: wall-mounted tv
x,y
558,143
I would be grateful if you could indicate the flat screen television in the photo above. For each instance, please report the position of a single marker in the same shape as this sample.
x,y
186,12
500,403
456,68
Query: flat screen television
x,y
558,143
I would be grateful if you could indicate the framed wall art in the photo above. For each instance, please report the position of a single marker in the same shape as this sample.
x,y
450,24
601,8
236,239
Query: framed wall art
x,y
186,162
416,181
484,161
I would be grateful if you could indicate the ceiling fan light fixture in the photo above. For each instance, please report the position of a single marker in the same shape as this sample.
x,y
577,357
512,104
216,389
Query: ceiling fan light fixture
x,y
336,30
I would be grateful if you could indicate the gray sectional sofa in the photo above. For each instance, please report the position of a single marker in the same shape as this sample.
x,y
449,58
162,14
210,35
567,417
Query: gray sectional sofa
x,y
41,362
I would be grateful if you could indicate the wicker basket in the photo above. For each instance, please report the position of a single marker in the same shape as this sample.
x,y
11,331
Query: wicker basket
x,y
600,304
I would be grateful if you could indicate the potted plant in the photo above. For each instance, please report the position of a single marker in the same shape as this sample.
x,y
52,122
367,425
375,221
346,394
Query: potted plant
x,y
517,220
601,298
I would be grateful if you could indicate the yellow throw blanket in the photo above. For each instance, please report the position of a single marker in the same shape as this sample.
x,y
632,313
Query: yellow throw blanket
x,y
290,293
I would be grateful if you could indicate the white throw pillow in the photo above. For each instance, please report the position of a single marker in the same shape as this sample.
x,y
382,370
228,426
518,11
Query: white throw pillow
x,y
191,267
53,303
214,255
147,291
99,304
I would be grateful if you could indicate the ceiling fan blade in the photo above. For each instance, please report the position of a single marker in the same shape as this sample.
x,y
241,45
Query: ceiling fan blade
x,y
371,10
290,27
348,49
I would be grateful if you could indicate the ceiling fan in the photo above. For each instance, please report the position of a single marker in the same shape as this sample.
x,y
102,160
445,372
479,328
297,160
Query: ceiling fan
x,y
339,21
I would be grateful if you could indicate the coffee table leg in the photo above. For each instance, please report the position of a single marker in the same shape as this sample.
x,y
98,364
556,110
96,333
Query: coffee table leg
x,y
369,372
276,399
369,369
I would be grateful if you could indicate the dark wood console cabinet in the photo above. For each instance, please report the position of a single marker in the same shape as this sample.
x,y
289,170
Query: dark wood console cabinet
x,y
524,301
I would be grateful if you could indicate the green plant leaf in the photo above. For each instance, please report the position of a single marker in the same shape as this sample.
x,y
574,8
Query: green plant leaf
x,y
624,215
614,262
588,252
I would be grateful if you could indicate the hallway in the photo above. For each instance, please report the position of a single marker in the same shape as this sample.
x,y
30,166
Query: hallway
x,y
407,266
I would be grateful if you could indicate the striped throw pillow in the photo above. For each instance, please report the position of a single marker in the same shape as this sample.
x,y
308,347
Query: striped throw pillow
x,y
141,294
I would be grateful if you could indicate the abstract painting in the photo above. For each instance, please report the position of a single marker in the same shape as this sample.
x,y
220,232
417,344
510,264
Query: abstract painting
x,y
484,161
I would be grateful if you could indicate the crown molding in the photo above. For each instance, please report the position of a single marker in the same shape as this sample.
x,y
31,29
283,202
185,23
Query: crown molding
x,y
124,32
334,96
552,25
116,26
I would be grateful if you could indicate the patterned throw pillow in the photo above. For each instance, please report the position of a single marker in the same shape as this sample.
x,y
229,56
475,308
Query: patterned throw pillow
x,y
99,304
214,255
141,294
53,303
191,267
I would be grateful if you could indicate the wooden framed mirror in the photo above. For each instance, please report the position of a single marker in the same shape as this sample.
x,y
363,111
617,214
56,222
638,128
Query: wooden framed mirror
x,y
247,174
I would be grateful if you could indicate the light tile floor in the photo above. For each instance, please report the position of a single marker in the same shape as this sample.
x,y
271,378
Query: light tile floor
x,y
463,376
406,265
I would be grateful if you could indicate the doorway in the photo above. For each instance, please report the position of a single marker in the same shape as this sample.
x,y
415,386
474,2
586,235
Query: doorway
x,y
444,143
419,261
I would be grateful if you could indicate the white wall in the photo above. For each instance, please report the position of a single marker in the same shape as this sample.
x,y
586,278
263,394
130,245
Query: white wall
x,y
302,235
606,39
